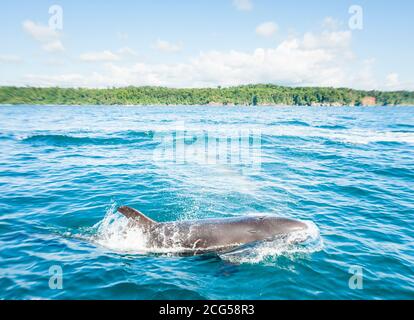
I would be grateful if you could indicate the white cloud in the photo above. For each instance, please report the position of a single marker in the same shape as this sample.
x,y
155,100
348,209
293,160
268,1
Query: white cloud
x,y
108,56
331,23
54,46
9,58
55,62
48,37
39,32
393,80
168,47
267,29
313,59
127,51
64,80
103,56
243,5
328,39
362,76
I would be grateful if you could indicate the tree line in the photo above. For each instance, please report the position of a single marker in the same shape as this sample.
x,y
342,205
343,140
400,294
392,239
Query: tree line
x,y
265,94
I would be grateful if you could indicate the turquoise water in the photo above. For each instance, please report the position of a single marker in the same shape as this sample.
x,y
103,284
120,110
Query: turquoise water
x,y
349,172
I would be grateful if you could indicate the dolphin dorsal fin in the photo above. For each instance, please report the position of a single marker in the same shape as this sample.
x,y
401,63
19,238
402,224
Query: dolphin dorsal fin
x,y
136,216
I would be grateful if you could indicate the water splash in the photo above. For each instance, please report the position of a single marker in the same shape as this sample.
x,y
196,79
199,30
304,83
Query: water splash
x,y
115,233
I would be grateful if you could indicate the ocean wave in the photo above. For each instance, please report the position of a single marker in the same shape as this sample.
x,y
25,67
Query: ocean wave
x,y
351,136
5,136
196,134
354,182
402,126
332,127
334,133
70,140
290,123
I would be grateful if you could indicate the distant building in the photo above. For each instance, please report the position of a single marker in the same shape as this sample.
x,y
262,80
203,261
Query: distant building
x,y
369,101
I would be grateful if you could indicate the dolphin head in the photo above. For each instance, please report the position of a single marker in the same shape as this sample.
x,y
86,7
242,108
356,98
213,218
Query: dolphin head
x,y
277,225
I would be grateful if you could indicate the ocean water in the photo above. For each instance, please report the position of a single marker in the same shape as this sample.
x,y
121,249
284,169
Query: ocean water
x,y
347,172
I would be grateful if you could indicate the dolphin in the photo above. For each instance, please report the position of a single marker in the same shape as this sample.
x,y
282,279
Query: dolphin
x,y
211,235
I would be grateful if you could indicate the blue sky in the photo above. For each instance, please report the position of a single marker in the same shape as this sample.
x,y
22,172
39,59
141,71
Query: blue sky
x,y
204,43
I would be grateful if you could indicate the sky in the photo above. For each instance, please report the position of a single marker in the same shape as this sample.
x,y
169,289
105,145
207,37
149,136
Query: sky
x,y
361,44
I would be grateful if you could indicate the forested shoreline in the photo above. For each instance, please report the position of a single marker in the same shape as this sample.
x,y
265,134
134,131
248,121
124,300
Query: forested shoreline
x,y
263,94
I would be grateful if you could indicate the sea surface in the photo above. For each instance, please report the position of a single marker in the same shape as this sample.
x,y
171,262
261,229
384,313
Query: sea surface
x,y
347,172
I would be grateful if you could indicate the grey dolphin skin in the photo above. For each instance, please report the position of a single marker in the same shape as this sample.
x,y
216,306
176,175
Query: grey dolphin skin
x,y
211,235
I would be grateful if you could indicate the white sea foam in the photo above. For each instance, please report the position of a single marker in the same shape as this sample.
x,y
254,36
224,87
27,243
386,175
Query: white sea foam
x,y
115,233
353,135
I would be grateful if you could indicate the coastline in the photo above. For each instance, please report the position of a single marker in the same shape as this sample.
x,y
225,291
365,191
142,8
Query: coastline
x,y
260,95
